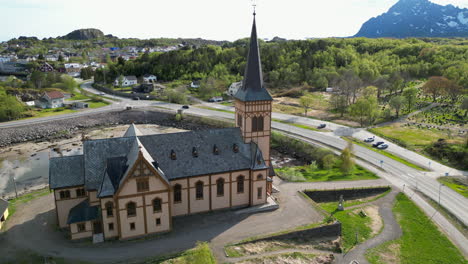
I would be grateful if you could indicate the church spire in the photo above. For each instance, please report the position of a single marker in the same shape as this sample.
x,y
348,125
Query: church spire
x,y
252,87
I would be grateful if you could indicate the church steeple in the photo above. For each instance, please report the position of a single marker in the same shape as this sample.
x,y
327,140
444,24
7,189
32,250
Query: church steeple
x,y
253,88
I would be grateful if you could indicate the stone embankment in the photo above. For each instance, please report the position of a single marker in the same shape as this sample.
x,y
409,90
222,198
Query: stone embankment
x,y
67,128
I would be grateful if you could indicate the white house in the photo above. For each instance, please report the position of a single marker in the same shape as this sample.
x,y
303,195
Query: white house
x,y
195,84
126,81
233,88
52,99
149,78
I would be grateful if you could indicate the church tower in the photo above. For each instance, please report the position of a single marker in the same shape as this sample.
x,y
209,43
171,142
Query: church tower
x,y
253,103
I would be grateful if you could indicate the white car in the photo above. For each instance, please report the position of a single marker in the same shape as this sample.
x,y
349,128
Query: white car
x,y
371,139
101,93
382,146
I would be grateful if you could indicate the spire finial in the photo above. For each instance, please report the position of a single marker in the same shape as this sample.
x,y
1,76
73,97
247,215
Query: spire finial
x,y
254,5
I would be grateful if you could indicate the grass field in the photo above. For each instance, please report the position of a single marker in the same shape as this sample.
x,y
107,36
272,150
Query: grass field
x,y
309,173
215,109
331,206
413,137
421,242
385,153
455,184
97,104
295,257
50,112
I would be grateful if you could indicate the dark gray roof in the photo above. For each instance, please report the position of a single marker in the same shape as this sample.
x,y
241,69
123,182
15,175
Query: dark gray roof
x,y
83,212
116,168
186,165
3,206
253,88
131,78
97,152
66,171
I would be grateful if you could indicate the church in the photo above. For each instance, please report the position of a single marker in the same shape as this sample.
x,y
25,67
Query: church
x,y
132,186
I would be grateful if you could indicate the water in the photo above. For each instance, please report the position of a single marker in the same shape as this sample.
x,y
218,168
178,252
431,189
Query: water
x,y
28,171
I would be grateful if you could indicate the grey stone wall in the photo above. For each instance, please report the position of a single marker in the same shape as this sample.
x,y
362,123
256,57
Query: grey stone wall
x,y
331,230
323,196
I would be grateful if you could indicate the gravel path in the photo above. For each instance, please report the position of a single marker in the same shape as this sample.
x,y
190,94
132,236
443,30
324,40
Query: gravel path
x,y
391,231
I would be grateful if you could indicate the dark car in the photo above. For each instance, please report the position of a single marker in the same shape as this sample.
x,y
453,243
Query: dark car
x,y
322,126
185,107
136,98
378,144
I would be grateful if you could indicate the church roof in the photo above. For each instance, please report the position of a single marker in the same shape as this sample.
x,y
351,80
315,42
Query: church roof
x,y
253,88
3,206
105,162
132,131
83,212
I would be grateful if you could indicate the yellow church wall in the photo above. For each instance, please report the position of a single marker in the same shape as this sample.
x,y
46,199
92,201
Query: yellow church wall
x,y
219,202
199,205
125,220
79,235
106,220
180,208
239,199
163,215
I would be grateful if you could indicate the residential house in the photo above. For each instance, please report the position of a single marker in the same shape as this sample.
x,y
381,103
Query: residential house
x,y
195,84
46,67
132,186
233,88
149,78
3,212
52,99
126,81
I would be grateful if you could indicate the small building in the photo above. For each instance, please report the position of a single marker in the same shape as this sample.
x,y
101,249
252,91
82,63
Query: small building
x,y
3,212
80,105
46,67
30,103
233,88
329,90
216,99
195,84
149,78
52,99
126,81
73,67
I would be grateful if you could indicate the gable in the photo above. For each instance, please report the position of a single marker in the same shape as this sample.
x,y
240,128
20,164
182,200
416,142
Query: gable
x,y
142,170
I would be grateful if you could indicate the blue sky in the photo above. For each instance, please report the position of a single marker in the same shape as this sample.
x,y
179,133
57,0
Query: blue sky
x,y
210,19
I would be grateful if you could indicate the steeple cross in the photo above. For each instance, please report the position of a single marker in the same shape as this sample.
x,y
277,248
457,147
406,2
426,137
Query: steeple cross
x,y
254,4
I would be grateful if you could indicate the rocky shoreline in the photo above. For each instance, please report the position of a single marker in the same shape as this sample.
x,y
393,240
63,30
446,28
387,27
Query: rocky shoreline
x,y
67,128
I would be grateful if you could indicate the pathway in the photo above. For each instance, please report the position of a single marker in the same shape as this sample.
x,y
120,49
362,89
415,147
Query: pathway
x,y
404,117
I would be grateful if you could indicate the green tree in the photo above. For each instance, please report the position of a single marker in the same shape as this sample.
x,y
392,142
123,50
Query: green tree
x,y
410,95
328,161
347,162
361,110
68,83
38,79
339,103
464,105
436,86
306,102
10,108
397,103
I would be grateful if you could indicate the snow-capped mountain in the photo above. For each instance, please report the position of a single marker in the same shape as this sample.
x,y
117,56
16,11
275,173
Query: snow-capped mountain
x,y
417,18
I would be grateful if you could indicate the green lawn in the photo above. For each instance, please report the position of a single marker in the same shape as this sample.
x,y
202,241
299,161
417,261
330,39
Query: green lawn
x,y
97,104
215,109
385,153
78,96
309,173
421,242
455,184
50,112
331,206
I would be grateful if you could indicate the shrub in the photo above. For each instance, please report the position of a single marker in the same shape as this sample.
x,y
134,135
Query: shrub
x,y
328,161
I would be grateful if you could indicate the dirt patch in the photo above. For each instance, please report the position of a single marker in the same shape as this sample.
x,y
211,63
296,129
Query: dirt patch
x,y
291,258
392,255
260,247
376,220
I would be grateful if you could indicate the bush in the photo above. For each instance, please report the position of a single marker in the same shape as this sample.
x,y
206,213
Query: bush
x,y
328,161
178,117
298,148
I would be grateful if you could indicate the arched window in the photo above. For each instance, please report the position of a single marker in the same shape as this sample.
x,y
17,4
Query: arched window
x,y
254,124
220,187
240,184
239,120
110,209
259,177
177,193
199,190
157,205
131,209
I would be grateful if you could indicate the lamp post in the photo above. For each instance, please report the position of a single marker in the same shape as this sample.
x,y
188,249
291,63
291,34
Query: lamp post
x,y
14,183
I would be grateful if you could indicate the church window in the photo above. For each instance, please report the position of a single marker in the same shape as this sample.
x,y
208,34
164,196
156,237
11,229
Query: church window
x,y
199,190
215,150
194,152
131,209
177,193
142,185
235,148
259,192
239,120
64,194
254,124
220,187
259,177
81,227
157,205
80,192
110,209
240,184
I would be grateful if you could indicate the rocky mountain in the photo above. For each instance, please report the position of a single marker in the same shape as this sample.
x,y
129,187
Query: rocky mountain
x,y
417,18
84,34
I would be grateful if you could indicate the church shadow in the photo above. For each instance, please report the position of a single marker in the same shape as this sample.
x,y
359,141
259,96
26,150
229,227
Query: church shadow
x,y
41,236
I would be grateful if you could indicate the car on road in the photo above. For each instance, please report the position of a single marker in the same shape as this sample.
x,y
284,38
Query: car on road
x,y
378,144
128,107
185,107
322,126
382,146
101,93
371,139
